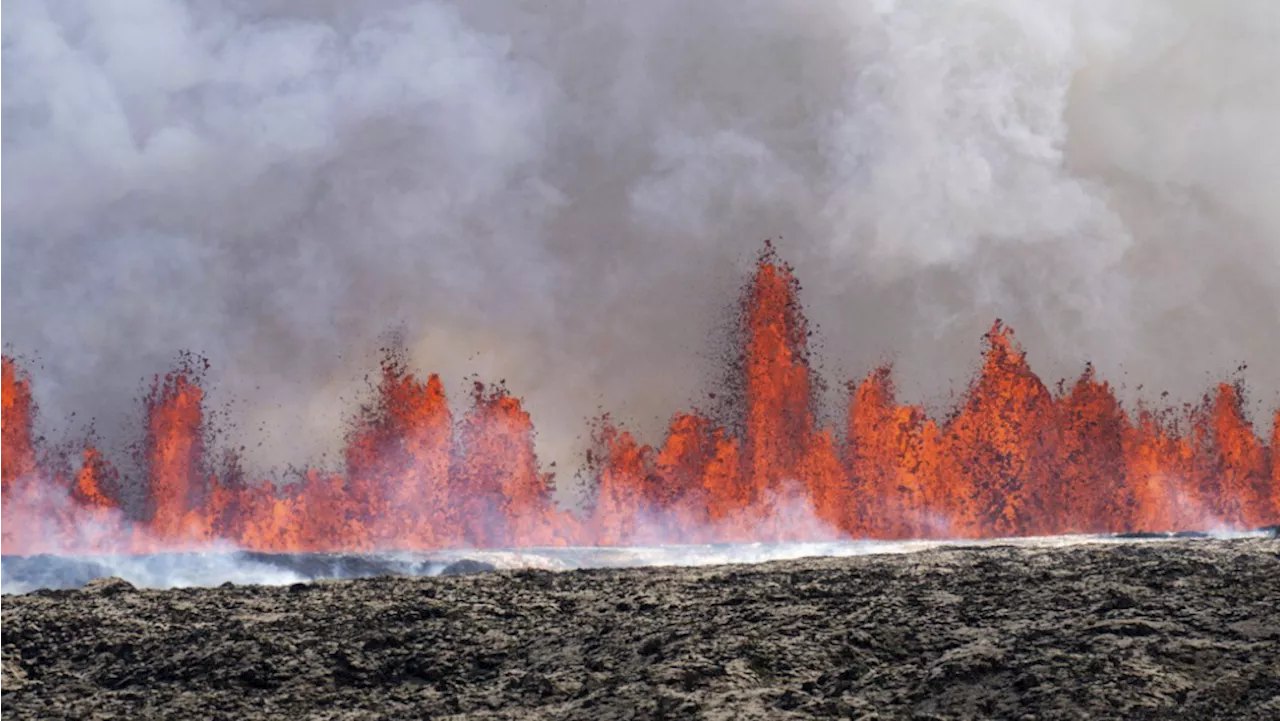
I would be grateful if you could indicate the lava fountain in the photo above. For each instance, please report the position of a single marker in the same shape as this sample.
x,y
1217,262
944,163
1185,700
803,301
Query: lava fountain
x,y
1015,457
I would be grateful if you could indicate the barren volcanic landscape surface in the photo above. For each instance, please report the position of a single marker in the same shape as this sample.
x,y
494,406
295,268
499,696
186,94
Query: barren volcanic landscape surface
x,y
1164,629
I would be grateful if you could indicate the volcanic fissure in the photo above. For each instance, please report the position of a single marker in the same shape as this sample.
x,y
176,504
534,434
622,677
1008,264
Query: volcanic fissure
x,y
1013,458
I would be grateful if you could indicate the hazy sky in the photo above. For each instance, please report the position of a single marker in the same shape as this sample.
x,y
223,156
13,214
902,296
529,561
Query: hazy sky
x,y
567,195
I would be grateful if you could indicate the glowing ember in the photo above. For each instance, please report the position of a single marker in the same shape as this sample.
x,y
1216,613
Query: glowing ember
x,y
1014,459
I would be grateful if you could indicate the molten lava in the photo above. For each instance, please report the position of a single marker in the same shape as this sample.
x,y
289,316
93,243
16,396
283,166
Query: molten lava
x,y
398,464
1014,458
891,454
779,419
18,456
175,446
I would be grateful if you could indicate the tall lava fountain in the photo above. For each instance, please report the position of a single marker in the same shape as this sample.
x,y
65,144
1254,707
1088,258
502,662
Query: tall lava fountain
x,y
1014,457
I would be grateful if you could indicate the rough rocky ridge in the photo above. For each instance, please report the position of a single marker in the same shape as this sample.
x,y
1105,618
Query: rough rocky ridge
x,y
1149,629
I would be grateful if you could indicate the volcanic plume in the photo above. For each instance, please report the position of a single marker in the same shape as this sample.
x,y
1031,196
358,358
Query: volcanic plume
x,y
1013,458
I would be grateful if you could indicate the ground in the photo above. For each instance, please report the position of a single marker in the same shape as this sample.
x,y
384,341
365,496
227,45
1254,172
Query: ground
x,y
1168,629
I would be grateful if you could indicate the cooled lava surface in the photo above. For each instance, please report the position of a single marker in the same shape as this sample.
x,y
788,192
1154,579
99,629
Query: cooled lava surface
x,y
1159,629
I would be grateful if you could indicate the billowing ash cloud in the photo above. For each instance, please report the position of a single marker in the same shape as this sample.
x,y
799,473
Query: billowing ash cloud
x,y
565,195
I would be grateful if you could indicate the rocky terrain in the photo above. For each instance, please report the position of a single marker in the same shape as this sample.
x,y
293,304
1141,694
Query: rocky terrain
x,y
1168,629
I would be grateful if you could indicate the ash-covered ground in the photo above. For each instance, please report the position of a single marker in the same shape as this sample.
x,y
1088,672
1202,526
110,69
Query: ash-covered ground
x,y
1155,629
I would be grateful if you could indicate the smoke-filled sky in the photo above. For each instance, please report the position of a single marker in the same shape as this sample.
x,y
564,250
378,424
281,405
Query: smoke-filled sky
x,y
568,194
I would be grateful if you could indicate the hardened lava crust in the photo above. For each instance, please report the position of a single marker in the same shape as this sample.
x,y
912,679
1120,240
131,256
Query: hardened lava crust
x,y
1161,629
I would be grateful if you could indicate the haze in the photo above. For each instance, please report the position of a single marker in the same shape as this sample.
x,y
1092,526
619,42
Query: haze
x,y
567,195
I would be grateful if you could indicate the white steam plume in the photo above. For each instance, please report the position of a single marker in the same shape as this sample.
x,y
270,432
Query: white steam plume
x,y
565,194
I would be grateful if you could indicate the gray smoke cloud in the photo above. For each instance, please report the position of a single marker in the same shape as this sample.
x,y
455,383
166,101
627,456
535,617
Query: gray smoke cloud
x,y
566,195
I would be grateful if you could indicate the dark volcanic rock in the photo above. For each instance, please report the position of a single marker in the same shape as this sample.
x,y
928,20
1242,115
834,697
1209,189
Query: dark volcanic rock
x,y
1145,630
108,586
467,566
1135,535
335,565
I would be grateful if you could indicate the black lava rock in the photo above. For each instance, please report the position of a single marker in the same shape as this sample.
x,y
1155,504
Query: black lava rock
x,y
467,566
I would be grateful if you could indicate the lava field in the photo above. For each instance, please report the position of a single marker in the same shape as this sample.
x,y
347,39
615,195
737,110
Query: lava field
x,y
1143,629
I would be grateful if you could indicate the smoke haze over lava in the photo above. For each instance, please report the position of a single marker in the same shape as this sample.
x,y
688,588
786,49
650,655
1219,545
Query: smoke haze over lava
x,y
568,196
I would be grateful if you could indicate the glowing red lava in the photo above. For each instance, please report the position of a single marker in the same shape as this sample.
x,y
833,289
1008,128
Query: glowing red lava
x,y
1014,459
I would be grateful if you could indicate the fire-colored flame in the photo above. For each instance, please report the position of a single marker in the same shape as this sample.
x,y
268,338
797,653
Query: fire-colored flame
x,y
18,454
1014,458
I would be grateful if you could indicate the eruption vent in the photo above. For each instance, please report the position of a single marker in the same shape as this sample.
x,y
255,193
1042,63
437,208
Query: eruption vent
x,y
1014,458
